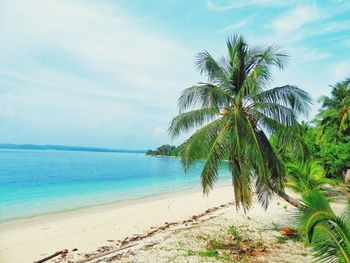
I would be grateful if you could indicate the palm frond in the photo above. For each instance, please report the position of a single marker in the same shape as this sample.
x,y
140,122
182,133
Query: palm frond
x,y
197,146
241,182
214,71
235,61
306,176
290,137
218,150
327,233
280,113
289,96
274,180
192,119
272,55
204,95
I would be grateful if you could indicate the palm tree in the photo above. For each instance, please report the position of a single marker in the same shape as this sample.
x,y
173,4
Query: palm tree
x,y
326,232
235,113
336,108
306,176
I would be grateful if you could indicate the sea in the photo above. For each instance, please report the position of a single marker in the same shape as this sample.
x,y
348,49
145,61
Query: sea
x,y
40,182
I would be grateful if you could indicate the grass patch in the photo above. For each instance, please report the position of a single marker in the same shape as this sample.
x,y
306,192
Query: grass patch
x,y
294,237
208,253
190,253
232,247
234,232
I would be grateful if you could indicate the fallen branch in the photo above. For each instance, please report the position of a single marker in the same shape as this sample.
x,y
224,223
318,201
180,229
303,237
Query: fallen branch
x,y
52,256
290,200
105,254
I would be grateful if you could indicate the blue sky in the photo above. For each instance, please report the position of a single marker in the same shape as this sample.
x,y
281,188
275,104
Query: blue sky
x,y
108,73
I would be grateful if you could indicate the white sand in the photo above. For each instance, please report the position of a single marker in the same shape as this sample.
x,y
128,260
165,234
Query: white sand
x,y
87,229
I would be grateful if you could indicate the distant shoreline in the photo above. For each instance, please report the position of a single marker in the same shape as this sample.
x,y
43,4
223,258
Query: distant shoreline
x,y
9,146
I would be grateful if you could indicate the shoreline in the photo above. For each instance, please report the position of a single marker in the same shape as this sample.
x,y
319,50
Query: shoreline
x,y
89,228
107,205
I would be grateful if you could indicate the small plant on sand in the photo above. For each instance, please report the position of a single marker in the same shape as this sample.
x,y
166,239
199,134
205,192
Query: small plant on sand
x,y
306,176
234,232
190,253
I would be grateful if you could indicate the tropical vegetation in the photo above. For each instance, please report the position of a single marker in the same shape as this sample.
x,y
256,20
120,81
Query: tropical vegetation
x,y
331,142
304,177
327,137
239,118
164,150
335,111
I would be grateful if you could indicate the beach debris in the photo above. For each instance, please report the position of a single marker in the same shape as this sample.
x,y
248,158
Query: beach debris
x,y
237,250
127,242
96,256
114,258
104,249
124,241
147,246
286,231
58,253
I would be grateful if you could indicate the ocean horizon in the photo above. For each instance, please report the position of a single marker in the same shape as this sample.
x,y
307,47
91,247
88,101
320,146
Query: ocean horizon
x,y
40,182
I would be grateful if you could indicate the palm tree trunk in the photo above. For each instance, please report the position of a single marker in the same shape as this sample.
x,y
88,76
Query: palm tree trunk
x,y
294,202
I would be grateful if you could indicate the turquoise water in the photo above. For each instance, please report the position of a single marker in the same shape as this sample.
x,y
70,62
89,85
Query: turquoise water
x,y
39,182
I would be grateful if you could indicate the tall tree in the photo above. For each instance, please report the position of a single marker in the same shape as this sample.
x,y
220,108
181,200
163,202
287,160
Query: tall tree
x,y
235,112
335,111
333,130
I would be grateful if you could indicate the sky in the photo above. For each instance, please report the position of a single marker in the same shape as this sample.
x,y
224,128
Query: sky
x,y
108,73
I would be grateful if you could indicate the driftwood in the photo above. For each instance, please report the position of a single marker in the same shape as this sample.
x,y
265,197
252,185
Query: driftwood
x,y
105,253
52,256
290,200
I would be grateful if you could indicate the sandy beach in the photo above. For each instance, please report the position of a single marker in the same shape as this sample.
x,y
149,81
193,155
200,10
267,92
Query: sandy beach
x,y
86,230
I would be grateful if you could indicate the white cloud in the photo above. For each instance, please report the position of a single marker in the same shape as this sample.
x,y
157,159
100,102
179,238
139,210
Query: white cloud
x,y
235,4
237,25
341,70
296,19
104,39
122,72
308,55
